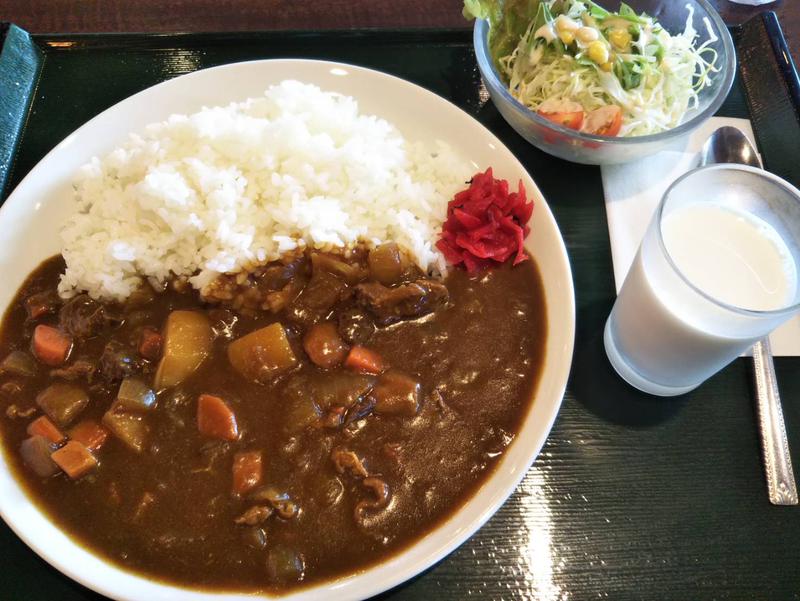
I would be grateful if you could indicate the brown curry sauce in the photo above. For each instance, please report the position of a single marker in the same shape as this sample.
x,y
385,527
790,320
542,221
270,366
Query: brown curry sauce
x,y
168,512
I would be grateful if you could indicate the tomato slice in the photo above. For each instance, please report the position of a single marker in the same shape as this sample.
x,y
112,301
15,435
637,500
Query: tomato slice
x,y
573,120
605,121
564,112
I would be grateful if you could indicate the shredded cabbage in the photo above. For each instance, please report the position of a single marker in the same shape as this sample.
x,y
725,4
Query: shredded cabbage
x,y
655,77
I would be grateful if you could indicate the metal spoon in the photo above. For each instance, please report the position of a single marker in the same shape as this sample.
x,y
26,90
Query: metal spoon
x,y
730,145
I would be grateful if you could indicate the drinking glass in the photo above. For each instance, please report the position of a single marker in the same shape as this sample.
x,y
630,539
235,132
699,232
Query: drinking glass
x,y
665,335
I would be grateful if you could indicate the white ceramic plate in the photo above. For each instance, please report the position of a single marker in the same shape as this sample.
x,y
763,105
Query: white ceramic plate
x,y
30,220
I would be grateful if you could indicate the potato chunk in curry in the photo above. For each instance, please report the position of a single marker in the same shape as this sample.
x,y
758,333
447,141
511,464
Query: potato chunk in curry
x,y
187,342
262,354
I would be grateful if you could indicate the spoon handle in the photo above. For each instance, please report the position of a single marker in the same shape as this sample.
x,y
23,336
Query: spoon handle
x,y
774,445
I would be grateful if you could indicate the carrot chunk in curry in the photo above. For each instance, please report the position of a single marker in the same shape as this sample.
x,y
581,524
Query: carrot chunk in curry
x,y
215,419
42,426
50,345
90,434
75,459
364,360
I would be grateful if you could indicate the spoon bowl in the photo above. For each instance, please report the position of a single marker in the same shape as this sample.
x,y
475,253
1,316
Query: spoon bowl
x,y
729,145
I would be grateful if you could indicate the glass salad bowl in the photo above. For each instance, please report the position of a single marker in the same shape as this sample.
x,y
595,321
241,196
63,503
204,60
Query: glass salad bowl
x,y
591,149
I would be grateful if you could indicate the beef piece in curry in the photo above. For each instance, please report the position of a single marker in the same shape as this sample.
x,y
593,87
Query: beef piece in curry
x,y
291,424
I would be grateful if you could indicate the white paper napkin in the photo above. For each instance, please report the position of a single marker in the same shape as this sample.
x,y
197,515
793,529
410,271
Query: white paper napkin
x,y
633,191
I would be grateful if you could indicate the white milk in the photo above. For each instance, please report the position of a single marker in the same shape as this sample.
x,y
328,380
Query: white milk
x,y
666,338
732,256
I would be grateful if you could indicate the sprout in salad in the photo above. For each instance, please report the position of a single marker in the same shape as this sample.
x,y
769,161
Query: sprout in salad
x,y
590,69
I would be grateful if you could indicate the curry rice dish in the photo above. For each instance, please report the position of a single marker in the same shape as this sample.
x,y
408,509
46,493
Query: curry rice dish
x,y
278,347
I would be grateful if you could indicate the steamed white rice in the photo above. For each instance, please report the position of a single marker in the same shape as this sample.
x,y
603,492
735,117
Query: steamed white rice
x,y
226,187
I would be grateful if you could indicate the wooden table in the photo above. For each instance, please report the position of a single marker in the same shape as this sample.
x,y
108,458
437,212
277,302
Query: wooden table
x,y
63,16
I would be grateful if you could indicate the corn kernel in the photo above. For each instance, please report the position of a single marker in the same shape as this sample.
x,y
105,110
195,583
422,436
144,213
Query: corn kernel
x,y
566,36
564,23
598,52
587,34
607,66
619,38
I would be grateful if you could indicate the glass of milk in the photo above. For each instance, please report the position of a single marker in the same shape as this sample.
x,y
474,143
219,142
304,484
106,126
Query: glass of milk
x,y
716,271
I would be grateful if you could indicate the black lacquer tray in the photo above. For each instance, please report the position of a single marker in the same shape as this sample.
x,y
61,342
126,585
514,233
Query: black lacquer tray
x,y
632,497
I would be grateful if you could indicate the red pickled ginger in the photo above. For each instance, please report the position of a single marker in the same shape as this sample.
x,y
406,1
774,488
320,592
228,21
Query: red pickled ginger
x,y
485,223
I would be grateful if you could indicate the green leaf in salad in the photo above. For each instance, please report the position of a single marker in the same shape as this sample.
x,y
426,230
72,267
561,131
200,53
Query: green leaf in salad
x,y
508,21
629,74
627,11
655,49
482,9
558,7
543,17
596,11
